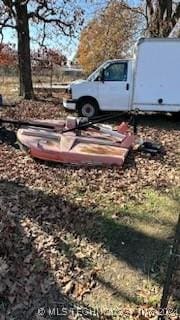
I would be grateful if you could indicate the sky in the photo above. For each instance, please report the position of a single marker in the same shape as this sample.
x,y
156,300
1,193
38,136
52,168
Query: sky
x,y
66,45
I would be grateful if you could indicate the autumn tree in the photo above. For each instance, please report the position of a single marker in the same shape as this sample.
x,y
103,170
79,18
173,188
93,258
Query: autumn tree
x,y
55,57
45,57
109,35
8,55
162,17
62,16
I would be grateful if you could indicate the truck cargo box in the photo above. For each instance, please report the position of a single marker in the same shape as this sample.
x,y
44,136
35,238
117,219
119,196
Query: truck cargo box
x,y
157,75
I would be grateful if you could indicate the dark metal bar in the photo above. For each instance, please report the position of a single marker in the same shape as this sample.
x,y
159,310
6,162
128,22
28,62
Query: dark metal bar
x,y
81,126
90,123
107,115
26,123
169,274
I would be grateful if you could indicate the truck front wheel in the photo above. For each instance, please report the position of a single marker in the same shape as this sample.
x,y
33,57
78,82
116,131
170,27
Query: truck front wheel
x,y
176,116
88,108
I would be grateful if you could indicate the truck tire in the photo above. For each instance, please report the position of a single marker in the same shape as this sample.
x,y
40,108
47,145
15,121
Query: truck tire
x,y
176,116
88,108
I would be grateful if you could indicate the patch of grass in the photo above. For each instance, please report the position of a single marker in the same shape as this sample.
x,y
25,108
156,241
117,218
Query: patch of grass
x,y
137,240
157,208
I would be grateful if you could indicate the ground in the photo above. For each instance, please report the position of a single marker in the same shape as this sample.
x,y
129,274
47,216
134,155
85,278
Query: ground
x,y
94,241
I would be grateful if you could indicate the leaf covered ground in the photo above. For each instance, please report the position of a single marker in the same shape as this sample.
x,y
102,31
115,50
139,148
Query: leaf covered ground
x,y
90,240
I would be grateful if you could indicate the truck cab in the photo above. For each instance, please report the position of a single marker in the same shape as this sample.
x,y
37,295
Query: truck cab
x,y
107,88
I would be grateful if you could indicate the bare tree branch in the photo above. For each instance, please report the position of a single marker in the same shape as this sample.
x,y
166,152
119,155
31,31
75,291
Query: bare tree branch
x,y
5,24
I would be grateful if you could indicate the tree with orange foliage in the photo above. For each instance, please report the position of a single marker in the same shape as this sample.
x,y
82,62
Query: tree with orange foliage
x,y
8,55
45,57
110,35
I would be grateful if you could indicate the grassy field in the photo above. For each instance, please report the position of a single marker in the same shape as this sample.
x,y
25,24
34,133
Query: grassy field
x,y
9,86
97,239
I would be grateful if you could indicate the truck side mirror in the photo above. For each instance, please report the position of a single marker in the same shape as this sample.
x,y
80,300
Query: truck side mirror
x,y
101,76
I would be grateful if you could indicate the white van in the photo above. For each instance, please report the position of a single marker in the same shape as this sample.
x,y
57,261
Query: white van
x,y
149,83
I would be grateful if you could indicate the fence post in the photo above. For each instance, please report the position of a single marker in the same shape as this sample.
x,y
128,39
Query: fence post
x,y
51,77
174,255
1,100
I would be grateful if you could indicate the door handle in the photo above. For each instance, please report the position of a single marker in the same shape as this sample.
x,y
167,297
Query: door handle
x,y
127,86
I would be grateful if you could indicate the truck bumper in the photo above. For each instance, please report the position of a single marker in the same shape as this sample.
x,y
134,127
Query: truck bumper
x,y
69,104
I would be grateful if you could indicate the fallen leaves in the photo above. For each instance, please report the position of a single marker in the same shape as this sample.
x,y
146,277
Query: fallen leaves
x,y
47,212
69,287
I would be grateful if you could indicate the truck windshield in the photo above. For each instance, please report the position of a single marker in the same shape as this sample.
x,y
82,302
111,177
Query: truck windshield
x,y
93,76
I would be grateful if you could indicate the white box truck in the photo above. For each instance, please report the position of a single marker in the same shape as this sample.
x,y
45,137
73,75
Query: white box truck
x,y
149,83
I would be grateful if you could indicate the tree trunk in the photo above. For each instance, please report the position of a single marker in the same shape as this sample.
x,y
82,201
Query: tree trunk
x,y
161,17
24,57
175,33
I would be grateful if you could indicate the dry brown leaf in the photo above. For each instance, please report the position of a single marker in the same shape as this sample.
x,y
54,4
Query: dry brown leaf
x,y
69,287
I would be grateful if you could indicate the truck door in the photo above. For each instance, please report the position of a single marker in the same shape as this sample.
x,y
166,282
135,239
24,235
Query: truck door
x,y
114,89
